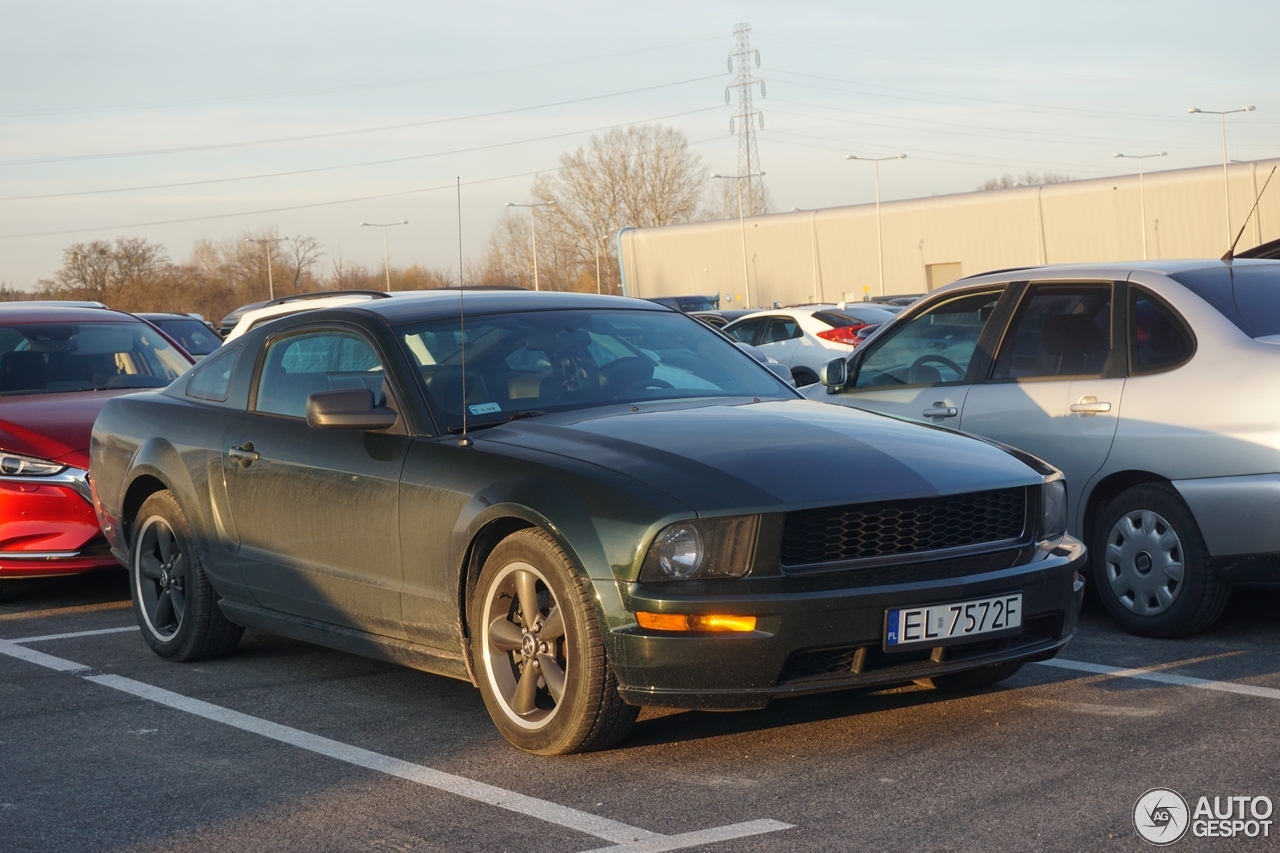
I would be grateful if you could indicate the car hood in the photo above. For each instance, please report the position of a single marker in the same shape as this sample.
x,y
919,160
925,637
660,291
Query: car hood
x,y
771,456
53,426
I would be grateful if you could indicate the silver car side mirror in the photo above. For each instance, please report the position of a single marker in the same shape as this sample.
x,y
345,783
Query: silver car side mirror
x,y
834,374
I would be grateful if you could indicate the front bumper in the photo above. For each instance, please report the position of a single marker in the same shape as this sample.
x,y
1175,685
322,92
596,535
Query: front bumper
x,y
818,640
48,527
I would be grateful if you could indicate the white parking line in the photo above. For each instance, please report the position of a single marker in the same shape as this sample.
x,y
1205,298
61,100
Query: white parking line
x,y
74,634
625,838
1146,674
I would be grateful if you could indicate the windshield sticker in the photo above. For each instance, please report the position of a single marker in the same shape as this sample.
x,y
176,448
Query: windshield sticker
x,y
484,408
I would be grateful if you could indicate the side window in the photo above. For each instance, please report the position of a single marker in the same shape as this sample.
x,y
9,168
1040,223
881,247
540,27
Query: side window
x,y
1059,330
933,348
781,329
212,380
301,365
747,330
1158,340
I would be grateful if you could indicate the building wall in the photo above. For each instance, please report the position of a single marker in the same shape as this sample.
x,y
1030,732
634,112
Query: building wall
x,y
830,254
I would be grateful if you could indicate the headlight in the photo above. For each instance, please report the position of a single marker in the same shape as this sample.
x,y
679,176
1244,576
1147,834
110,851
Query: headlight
x,y
1053,502
28,466
702,548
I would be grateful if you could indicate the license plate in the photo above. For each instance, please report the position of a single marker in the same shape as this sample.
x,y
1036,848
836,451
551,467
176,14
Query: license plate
x,y
956,622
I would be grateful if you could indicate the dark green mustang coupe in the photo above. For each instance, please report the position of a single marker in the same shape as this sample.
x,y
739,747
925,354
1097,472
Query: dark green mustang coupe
x,y
581,504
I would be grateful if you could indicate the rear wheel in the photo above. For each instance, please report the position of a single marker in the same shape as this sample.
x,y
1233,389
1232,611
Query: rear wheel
x,y
983,676
1152,568
175,604
538,651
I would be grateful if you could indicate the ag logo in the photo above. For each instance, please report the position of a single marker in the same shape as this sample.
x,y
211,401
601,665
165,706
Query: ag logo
x,y
1160,816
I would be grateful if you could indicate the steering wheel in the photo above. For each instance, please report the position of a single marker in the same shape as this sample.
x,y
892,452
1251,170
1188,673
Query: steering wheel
x,y
912,377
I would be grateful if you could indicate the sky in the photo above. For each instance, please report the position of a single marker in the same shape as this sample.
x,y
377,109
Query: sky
x,y
177,121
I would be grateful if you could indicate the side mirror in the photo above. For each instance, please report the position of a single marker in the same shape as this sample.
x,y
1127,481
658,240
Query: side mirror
x,y
352,409
834,374
782,372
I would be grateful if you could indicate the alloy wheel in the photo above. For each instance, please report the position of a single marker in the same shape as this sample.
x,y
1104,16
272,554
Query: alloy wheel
x,y
524,645
160,572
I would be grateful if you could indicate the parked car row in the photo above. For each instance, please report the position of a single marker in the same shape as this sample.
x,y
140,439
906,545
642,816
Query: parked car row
x,y
586,505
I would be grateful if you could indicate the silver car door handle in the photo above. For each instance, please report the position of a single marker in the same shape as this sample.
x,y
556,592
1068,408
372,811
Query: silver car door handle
x,y
1089,406
941,410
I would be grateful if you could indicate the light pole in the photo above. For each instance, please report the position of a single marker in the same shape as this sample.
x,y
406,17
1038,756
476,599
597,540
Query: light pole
x,y
1226,188
268,242
602,238
1142,192
533,233
742,225
879,237
386,260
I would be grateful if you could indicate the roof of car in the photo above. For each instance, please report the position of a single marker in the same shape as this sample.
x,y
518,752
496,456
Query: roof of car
x,y
1115,268
18,312
436,304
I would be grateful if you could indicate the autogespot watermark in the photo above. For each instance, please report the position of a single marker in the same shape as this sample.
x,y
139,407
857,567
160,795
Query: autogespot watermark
x,y
1162,816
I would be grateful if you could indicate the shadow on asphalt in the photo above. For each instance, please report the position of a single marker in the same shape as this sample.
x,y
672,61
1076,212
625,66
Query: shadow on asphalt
x,y
96,587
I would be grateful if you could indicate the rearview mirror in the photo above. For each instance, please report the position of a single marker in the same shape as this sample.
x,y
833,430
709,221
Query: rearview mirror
x,y
352,409
834,374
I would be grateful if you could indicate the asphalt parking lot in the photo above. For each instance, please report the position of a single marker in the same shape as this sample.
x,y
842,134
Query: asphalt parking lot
x,y
288,746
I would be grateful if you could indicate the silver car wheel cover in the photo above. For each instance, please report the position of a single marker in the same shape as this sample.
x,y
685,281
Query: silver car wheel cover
x,y
1144,562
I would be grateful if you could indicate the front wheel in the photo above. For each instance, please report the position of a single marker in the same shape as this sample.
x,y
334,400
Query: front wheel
x,y
175,604
1151,565
538,651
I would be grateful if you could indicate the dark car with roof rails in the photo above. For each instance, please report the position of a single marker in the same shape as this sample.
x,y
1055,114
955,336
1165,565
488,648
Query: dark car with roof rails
x,y
581,504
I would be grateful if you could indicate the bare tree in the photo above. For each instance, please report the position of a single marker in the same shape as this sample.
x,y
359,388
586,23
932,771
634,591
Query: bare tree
x,y
1026,179
303,253
641,176
100,270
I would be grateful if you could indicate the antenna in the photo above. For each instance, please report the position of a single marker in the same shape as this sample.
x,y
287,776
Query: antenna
x,y
462,324
1230,255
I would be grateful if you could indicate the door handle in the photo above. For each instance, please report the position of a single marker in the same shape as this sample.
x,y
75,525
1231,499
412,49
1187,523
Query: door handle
x,y
244,454
1089,406
941,410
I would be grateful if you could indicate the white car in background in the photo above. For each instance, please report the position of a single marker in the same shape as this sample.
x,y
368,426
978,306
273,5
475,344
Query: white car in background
x,y
1148,384
292,305
807,336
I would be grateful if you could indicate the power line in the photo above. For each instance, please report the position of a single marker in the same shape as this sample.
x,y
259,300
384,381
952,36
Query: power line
x,y
224,145
351,88
352,165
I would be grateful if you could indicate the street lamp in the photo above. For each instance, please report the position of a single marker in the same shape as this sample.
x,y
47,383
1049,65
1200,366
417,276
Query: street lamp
x,y
1142,192
603,238
742,225
879,237
386,261
268,242
1226,189
533,233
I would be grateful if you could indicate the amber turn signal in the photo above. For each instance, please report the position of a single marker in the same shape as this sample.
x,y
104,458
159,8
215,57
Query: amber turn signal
x,y
694,622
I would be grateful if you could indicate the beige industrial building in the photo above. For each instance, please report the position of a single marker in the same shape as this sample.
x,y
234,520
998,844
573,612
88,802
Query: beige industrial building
x,y
830,255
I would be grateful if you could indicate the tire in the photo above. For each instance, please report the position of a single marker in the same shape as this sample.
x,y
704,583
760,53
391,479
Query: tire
x,y
514,648
983,676
1151,567
175,605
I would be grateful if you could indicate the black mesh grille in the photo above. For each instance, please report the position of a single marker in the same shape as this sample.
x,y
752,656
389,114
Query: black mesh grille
x,y
862,531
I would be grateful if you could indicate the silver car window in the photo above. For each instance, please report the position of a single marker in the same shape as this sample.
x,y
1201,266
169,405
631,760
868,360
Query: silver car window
x,y
933,348
1059,330
1158,340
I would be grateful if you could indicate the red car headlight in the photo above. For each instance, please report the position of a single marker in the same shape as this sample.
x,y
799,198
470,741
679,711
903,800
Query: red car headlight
x,y
15,464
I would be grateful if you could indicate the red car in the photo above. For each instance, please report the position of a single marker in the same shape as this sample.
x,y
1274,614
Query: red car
x,y
58,366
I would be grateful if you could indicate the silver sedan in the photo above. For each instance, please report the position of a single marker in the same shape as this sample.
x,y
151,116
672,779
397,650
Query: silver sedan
x,y
1147,384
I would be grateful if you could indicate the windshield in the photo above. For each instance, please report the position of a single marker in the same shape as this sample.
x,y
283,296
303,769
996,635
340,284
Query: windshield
x,y
1245,294
547,361
194,336
47,358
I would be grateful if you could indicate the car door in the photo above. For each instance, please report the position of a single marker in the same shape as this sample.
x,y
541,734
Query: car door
x,y
747,331
1055,385
780,338
316,510
922,367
